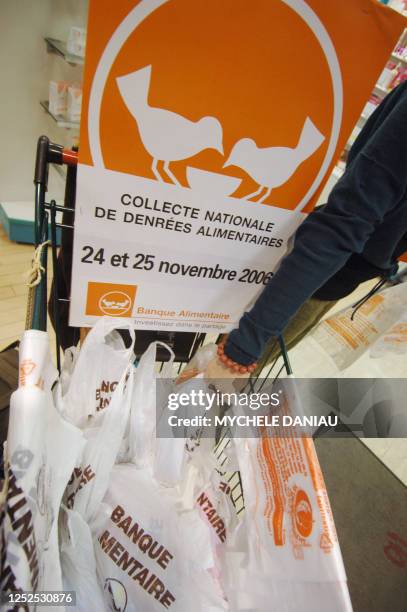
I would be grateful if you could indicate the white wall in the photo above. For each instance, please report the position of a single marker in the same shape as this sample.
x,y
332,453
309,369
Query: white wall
x,y
25,69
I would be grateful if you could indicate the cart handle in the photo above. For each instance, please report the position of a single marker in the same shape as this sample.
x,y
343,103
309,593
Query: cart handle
x,y
69,157
50,152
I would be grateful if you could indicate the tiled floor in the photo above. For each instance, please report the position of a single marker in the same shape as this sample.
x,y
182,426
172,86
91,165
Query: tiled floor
x,y
15,263
392,452
15,260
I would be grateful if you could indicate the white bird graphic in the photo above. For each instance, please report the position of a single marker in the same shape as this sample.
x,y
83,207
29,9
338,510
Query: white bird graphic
x,y
272,166
166,136
115,305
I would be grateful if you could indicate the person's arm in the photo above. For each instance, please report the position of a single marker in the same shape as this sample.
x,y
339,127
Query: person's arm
x,y
374,183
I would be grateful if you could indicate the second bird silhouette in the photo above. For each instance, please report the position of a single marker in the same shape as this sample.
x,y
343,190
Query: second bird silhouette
x,y
166,135
271,167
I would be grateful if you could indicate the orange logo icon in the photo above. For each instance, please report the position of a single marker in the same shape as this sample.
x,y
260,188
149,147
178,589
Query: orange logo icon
x,y
110,299
302,515
26,367
325,543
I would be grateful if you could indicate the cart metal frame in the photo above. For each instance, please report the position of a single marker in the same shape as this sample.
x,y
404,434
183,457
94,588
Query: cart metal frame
x,y
45,218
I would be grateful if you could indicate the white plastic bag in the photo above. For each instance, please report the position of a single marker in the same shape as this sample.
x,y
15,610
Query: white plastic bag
x,y
79,563
68,365
41,451
171,452
190,464
292,559
84,511
150,555
393,341
88,383
156,550
345,339
89,480
103,364
141,441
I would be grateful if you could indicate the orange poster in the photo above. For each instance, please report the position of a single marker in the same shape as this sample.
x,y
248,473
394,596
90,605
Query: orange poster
x,y
208,130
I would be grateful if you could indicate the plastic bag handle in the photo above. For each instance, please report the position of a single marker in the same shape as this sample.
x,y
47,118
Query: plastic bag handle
x,y
148,358
110,324
111,432
166,371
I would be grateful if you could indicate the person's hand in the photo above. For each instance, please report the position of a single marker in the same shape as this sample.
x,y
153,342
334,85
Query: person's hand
x,y
217,369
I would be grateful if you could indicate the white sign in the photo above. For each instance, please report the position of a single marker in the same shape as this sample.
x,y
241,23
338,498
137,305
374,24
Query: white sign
x,y
169,257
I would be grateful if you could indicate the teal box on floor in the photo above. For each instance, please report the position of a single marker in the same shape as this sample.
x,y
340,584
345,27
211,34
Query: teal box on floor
x,y
17,218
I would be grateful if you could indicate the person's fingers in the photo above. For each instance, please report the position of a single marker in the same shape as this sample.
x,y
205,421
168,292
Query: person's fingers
x,y
186,374
216,369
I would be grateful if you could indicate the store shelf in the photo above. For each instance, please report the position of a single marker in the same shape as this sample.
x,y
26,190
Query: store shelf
x,y
337,172
59,47
60,120
398,58
381,91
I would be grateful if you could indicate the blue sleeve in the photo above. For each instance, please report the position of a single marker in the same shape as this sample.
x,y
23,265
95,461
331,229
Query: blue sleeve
x,y
372,185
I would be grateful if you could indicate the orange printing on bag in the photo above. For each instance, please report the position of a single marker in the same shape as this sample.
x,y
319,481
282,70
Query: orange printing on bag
x,y
371,305
356,332
342,333
397,334
329,535
280,458
26,368
286,452
273,513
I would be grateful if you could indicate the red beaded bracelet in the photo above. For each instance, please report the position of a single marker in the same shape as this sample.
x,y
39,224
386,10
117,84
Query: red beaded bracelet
x,y
233,365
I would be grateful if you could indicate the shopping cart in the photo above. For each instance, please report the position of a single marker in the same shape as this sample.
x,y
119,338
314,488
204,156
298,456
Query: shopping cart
x,y
183,344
